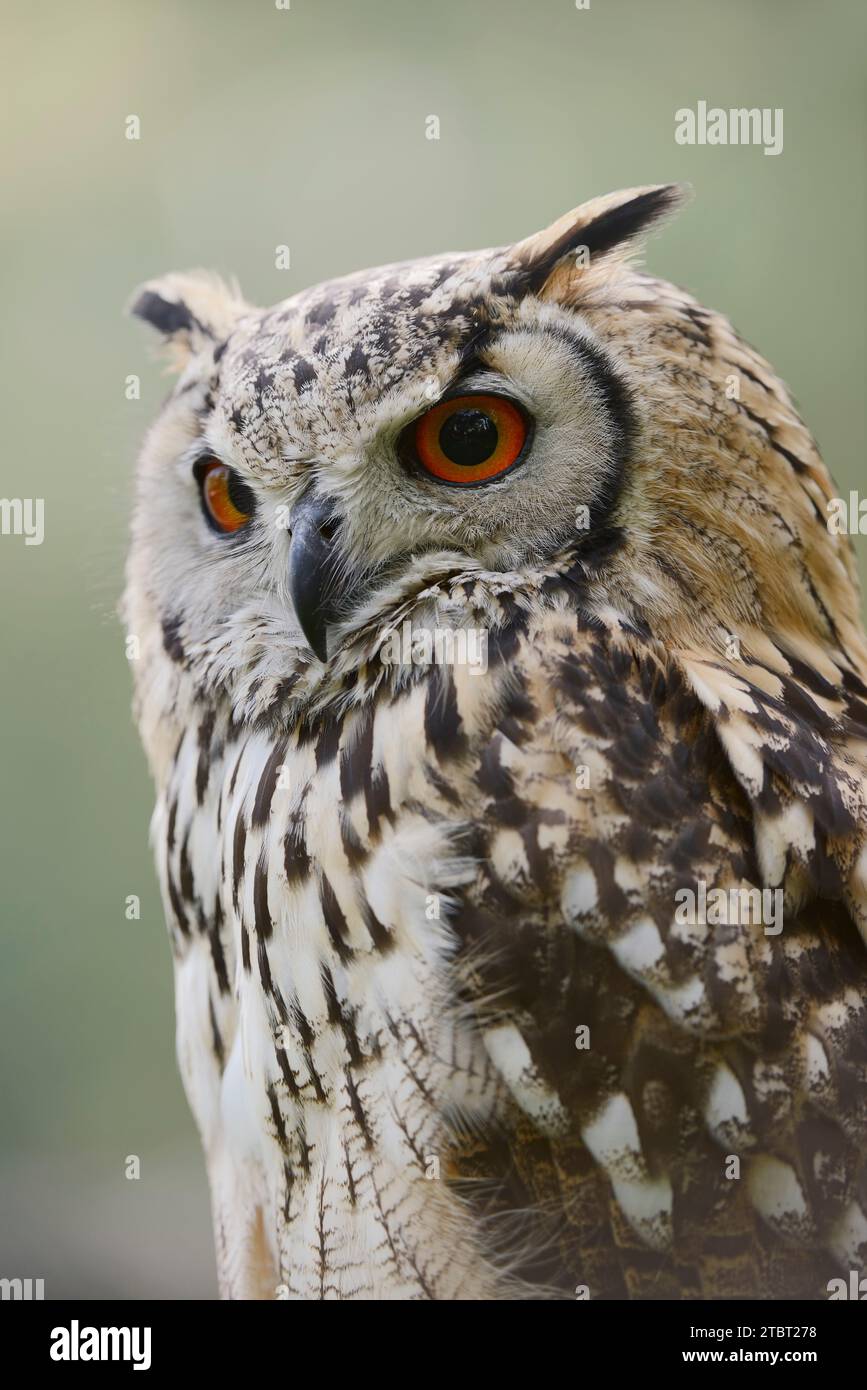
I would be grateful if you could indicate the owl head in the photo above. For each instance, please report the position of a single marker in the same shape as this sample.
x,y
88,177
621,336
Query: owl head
x,y
478,433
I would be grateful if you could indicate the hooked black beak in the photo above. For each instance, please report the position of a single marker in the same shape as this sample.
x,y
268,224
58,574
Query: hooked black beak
x,y
312,569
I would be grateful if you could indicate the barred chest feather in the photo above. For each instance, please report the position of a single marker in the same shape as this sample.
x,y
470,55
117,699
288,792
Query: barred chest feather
x,y
319,1036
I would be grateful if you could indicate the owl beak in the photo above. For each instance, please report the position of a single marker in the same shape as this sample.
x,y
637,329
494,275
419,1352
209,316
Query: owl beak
x,y
312,557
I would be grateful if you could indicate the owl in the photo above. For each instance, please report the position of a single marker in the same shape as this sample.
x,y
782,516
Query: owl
x,y
503,686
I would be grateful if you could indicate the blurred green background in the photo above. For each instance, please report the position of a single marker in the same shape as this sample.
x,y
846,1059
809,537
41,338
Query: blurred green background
x,y
305,126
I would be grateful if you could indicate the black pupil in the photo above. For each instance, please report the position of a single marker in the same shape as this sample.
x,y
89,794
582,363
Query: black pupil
x,y
468,438
239,494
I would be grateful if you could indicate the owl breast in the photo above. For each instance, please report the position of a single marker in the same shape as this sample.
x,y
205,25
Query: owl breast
x,y
314,960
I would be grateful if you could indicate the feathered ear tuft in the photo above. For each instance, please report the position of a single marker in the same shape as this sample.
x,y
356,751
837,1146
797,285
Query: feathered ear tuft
x,y
193,310
598,228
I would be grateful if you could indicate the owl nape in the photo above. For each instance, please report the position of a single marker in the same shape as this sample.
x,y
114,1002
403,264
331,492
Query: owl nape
x,y
477,992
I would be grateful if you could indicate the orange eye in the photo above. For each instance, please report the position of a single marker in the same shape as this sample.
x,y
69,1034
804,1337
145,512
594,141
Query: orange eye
x,y
470,439
226,501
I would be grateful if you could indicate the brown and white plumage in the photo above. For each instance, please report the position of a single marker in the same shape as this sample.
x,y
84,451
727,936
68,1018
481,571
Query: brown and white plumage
x,y
394,902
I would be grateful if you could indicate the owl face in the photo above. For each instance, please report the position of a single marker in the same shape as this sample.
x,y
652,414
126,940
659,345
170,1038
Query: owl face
x,y
514,411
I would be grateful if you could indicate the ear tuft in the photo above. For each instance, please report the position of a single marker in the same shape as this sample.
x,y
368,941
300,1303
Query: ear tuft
x,y
192,310
600,227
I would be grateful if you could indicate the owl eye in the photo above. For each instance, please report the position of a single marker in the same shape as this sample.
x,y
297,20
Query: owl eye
x,y
469,439
227,502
